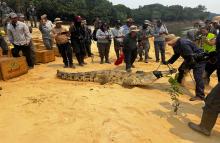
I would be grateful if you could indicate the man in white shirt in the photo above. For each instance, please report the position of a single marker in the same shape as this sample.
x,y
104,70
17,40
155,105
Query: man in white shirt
x,y
118,38
19,35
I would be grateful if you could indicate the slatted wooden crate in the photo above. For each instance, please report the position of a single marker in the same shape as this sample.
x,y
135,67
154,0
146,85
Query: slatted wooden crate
x,y
1,52
45,56
56,52
12,67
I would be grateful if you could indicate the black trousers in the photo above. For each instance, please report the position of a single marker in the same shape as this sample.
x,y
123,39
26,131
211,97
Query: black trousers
x,y
210,68
26,50
212,101
198,71
80,50
66,53
130,57
88,48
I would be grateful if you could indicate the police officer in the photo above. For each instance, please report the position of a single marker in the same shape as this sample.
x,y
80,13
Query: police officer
x,y
210,113
188,51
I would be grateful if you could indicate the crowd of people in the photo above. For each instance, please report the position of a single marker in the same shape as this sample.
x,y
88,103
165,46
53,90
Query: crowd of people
x,y
200,50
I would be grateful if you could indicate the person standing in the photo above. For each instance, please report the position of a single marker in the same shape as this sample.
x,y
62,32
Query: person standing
x,y
125,29
145,34
5,11
61,36
160,31
21,18
130,47
209,41
210,113
78,40
46,27
189,52
88,38
118,38
32,13
104,37
19,35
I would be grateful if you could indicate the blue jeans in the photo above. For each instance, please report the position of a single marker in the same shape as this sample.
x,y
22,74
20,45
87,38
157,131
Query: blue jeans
x,y
159,48
48,43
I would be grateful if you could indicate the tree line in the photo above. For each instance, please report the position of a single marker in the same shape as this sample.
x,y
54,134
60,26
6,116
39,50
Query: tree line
x,y
105,10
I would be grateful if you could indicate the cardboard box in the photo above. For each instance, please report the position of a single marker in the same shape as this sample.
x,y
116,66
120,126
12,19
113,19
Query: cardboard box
x,y
45,56
12,67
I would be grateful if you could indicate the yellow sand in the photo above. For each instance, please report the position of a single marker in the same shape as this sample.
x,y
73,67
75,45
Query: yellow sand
x,y
39,108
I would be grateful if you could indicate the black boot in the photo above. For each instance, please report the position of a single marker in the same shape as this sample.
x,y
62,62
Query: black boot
x,y
102,60
207,123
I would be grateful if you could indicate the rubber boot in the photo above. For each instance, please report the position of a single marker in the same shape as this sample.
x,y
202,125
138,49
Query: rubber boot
x,y
207,123
78,57
102,60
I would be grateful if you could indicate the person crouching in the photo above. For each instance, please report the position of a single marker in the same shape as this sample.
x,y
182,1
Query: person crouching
x,y
62,40
189,52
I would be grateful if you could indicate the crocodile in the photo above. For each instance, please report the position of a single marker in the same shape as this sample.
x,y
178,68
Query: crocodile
x,y
120,77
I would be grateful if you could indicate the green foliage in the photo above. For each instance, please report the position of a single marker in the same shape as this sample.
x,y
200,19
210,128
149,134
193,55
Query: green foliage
x,y
90,9
175,92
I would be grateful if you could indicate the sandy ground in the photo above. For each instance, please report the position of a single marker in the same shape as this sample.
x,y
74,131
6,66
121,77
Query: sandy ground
x,y
39,108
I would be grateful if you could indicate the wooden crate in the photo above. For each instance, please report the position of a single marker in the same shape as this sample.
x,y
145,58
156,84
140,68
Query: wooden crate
x,y
12,67
56,52
1,52
40,47
45,56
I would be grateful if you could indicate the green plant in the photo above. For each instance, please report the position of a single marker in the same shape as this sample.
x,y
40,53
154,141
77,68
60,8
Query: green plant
x,y
175,92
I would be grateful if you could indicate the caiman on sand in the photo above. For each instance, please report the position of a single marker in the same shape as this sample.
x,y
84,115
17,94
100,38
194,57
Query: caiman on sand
x,y
139,78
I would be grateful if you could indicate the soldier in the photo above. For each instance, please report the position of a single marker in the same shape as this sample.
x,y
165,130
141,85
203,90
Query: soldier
x,y
189,52
210,113
32,13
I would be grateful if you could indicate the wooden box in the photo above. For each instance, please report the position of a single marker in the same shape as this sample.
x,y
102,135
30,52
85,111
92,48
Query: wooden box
x,y
45,56
56,52
1,52
12,67
40,47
